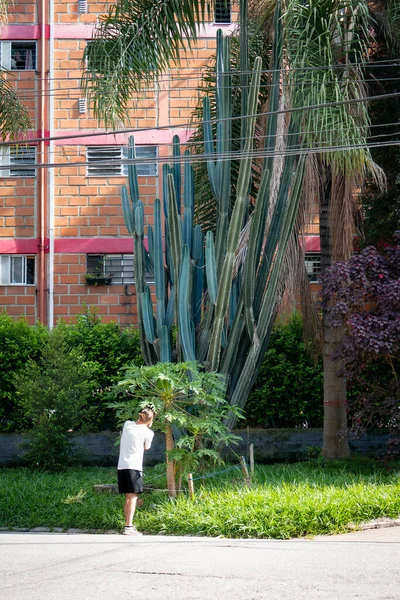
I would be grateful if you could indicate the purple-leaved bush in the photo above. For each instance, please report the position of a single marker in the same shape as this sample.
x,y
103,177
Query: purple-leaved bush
x,y
363,295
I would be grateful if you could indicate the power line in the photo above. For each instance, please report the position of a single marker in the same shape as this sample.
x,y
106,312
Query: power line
x,y
200,143
198,158
55,92
193,124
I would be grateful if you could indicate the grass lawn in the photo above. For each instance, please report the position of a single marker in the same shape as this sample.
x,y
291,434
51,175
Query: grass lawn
x,y
284,500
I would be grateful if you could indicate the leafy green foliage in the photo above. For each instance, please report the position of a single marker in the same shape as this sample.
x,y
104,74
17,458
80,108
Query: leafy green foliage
x,y
184,396
289,389
135,41
19,343
107,346
53,393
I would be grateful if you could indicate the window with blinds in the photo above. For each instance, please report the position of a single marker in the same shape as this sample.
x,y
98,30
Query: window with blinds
x,y
118,267
110,161
17,161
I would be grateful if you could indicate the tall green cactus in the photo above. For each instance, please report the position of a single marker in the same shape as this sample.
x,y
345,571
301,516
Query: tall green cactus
x,y
222,314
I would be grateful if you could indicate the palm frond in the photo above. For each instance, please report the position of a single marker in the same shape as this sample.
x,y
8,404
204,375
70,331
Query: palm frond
x,y
4,4
136,41
326,48
14,116
390,20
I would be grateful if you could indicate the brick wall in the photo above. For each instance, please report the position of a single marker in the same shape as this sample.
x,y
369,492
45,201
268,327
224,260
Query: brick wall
x,y
73,295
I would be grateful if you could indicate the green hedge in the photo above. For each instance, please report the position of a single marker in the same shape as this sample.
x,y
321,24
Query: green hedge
x,y
289,388
107,346
288,392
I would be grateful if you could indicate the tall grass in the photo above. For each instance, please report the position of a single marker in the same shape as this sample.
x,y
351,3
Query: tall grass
x,y
284,501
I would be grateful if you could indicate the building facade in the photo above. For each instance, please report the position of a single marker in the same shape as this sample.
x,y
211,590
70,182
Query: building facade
x,y
63,242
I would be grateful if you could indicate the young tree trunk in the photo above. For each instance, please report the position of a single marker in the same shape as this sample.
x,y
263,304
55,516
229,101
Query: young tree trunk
x,y
169,445
335,437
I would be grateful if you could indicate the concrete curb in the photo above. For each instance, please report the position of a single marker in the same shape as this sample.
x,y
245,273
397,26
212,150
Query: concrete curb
x,y
377,524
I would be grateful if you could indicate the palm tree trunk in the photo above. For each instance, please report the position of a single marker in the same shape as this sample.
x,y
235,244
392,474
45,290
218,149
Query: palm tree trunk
x,y
335,438
169,444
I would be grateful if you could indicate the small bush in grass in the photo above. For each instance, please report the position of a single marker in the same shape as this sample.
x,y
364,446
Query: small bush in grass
x,y
53,393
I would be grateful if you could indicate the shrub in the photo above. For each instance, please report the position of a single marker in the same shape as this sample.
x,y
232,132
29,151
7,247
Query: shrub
x,y
19,343
53,393
107,346
289,389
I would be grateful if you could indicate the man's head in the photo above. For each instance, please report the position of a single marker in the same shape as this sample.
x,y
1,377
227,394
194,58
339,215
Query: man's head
x,y
146,416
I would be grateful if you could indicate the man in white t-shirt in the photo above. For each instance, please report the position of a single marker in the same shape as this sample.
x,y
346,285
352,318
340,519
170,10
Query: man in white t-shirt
x,y
136,437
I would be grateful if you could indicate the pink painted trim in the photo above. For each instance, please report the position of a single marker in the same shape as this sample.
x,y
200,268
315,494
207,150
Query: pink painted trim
x,y
21,32
312,243
13,246
94,246
73,32
142,138
85,32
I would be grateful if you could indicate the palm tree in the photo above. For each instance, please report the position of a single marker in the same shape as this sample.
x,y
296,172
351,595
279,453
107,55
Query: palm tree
x,y
325,44
14,116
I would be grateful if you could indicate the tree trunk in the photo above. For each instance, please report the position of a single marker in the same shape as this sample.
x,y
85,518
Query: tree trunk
x,y
335,436
169,445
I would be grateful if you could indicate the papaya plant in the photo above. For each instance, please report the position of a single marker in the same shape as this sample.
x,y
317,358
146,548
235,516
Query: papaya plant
x,y
208,305
185,396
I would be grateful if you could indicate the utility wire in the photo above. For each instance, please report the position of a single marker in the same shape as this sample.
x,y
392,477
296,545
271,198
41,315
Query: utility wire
x,y
200,143
194,124
199,158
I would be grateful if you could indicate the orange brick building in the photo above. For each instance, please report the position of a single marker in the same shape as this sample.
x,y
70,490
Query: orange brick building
x,y
61,220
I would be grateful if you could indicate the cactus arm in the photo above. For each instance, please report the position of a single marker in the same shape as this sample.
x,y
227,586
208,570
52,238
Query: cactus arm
x,y
251,257
175,229
147,312
209,146
127,210
165,345
176,171
211,270
132,173
185,326
188,198
159,267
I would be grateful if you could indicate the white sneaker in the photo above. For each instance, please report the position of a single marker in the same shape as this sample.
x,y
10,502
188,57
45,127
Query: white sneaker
x,y
131,531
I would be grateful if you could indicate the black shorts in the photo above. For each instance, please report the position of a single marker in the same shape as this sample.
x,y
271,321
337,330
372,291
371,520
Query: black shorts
x,y
130,481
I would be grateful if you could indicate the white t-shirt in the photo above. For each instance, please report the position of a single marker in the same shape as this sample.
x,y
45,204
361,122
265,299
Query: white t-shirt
x,y
134,440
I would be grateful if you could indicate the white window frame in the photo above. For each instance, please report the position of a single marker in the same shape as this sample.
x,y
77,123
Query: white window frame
x,y
12,158
116,154
6,48
6,269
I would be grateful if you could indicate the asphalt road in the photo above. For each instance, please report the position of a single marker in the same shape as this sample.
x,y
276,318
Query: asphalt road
x,y
36,566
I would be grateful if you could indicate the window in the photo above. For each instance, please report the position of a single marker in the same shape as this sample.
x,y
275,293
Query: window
x,y
17,269
107,161
15,161
313,266
18,56
117,267
223,12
